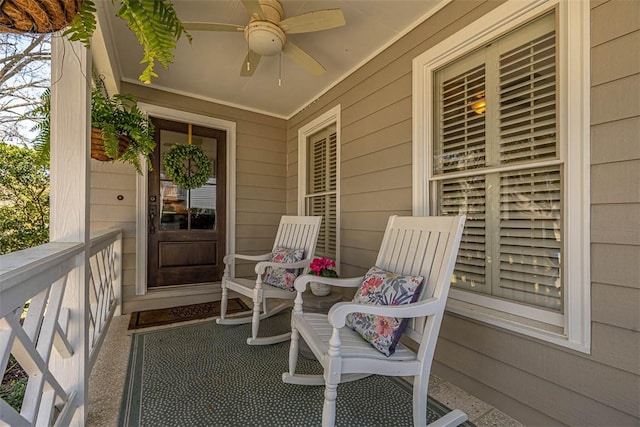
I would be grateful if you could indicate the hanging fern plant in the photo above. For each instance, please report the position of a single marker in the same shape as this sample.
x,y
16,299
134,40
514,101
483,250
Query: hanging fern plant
x,y
154,22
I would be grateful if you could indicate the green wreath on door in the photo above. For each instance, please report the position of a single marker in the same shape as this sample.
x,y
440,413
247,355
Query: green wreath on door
x,y
187,166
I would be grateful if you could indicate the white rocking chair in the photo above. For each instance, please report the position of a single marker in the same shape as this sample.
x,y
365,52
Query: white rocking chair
x,y
423,246
294,232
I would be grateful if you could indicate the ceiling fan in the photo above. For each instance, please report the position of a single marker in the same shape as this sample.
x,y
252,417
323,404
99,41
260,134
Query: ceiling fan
x,y
266,33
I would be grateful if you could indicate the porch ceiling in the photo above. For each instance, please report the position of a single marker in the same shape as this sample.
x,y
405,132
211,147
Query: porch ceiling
x,y
209,67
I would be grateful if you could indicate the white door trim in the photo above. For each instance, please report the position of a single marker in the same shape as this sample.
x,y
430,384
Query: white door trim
x,y
142,193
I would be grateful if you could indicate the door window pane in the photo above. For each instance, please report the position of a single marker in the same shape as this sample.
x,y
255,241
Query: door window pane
x,y
183,209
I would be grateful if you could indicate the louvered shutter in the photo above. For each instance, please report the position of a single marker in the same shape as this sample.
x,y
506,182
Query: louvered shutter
x,y
530,235
467,196
331,216
322,185
460,141
512,243
527,110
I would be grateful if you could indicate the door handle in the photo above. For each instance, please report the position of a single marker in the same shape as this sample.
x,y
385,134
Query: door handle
x,y
152,218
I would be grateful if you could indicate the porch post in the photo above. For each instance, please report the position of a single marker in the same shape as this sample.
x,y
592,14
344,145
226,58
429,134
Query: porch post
x,y
70,174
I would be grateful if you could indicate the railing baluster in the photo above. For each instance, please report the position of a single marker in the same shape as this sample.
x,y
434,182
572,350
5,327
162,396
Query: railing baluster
x,y
39,276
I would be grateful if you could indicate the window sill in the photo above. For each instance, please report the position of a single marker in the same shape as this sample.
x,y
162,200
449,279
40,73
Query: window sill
x,y
546,332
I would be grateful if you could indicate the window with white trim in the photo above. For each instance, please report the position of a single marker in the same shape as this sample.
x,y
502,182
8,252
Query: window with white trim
x,y
319,179
495,113
321,195
500,143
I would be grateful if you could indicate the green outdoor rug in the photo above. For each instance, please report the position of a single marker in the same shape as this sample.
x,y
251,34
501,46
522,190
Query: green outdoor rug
x,y
205,374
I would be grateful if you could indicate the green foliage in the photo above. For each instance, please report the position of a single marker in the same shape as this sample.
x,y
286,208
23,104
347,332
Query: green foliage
x,y
24,199
119,115
13,393
41,114
187,165
116,115
154,22
84,24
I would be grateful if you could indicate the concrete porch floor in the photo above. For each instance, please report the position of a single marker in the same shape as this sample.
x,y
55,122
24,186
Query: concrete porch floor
x,y
107,382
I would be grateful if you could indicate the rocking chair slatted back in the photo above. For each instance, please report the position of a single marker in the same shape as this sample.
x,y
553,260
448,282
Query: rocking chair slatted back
x,y
294,232
297,232
407,236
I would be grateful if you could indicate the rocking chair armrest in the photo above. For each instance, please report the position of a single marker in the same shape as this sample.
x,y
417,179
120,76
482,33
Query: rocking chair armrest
x,y
301,281
338,313
262,265
228,258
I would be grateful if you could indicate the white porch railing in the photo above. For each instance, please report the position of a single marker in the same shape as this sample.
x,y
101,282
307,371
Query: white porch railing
x,y
37,311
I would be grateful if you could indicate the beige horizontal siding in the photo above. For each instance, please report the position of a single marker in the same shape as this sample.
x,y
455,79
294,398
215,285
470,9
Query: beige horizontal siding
x,y
615,100
613,19
561,404
615,197
613,345
615,223
616,182
616,264
260,168
550,375
261,181
391,201
262,231
395,134
387,115
607,64
368,103
624,146
394,157
108,181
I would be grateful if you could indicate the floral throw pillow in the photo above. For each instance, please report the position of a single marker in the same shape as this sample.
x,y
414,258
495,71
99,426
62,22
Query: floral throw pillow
x,y
381,287
283,277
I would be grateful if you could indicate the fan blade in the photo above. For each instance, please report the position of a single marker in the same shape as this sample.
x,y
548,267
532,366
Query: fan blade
x,y
303,59
212,26
313,21
253,59
254,8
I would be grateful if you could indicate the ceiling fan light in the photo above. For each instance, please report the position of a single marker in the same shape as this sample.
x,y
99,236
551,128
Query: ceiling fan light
x,y
265,38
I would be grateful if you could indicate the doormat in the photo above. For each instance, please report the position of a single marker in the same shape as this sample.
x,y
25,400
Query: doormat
x,y
148,318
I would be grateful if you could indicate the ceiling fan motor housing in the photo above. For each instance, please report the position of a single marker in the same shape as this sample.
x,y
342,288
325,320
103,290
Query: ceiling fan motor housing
x,y
265,38
271,10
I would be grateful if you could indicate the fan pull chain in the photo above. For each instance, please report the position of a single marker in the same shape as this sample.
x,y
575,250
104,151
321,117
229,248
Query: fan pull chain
x,y
280,70
189,132
248,53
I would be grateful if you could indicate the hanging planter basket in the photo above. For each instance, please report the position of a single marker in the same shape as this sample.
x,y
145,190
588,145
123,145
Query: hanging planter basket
x,y
32,16
97,145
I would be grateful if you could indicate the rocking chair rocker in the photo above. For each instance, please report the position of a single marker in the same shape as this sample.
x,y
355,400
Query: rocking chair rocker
x,y
294,233
416,246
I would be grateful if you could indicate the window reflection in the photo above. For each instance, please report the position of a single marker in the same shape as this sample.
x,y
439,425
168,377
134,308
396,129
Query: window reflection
x,y
183,209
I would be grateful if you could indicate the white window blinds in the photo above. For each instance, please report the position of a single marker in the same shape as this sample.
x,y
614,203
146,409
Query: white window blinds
x,y
321,198
527,96
462,133
496,123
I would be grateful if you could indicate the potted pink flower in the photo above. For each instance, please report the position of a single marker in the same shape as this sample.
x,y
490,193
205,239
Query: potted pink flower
x,y
322,267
